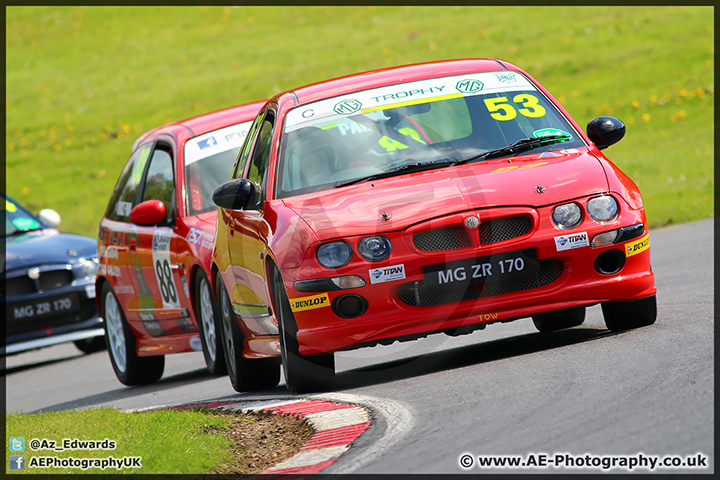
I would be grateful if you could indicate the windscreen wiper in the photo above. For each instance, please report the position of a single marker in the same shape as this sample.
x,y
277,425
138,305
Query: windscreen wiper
x,y
520,146
407,168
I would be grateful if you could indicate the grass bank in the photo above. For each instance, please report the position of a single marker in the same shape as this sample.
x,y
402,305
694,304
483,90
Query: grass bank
x,y
84,82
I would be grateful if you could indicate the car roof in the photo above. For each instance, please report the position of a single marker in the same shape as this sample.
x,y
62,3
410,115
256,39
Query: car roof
x,y
394,75
207,122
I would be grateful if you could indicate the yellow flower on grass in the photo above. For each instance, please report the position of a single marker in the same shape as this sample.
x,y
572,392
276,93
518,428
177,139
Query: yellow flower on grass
x,y
681,115
646,117
25,190
635,104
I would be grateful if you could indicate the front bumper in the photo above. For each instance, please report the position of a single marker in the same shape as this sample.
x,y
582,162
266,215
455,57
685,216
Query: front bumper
x,y
62,311
410,306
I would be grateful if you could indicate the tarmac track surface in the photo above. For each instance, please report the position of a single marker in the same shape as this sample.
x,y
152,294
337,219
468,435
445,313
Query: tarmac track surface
x,y
506,390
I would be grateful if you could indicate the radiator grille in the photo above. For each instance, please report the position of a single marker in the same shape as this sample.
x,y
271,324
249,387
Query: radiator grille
x,y
493,231
49,279
450,238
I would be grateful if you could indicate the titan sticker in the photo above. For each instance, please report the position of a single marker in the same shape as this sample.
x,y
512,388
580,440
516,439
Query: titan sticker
x,y
633,248
309,303
387,274
568,242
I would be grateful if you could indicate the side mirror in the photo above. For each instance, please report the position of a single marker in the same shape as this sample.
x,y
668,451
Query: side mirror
x,y
234,195
605,131
149,212
49,217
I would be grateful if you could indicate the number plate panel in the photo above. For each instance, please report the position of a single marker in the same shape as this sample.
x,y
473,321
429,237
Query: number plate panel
x,y
482,269
46,307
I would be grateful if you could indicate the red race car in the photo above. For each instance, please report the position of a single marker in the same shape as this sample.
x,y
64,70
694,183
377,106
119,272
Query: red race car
x,y
155,244
397,203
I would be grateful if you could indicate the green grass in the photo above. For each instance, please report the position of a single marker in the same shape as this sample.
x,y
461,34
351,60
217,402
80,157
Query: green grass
x,y
167,441
84,82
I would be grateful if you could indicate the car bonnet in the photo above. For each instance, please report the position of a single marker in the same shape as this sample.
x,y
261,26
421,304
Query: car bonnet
x,y
31,249
398,202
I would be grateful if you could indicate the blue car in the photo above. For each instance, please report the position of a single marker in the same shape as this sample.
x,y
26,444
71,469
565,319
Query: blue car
x,y
49,284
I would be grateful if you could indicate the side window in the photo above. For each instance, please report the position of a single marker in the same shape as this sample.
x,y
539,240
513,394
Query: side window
x,y
160,182
259,161
247,146
124,197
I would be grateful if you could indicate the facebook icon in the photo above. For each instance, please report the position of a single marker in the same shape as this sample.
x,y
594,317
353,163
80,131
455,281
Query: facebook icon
x,y
17,462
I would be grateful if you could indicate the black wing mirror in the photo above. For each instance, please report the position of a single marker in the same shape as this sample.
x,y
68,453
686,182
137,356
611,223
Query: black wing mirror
x,y
234,195
605,131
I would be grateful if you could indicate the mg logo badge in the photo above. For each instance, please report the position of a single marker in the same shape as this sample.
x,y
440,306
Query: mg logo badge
x,y
469,86
472,222
346,107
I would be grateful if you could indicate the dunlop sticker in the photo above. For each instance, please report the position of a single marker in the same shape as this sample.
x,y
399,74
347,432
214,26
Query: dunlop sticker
x,y
633,248
309,303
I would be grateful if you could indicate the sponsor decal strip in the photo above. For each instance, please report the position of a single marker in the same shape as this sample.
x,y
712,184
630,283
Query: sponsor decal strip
x,y
309,303
412,102
568,242
638,246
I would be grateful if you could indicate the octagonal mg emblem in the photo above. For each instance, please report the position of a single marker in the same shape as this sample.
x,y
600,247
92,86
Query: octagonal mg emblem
x,y
469,86
472,222
346,107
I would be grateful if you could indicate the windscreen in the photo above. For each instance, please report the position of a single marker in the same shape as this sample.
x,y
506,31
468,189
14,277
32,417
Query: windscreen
x,y
209,159
330,143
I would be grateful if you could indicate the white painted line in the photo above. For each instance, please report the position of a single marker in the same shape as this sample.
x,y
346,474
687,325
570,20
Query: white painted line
x,y
307,458
338,418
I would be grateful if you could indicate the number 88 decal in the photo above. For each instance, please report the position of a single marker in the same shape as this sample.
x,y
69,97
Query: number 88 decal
x,y
167,286
500,109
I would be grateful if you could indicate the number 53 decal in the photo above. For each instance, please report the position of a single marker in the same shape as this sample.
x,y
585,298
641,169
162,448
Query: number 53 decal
x,y
500,109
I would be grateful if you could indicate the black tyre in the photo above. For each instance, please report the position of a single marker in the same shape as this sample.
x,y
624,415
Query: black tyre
x,y
90,345
129,368
626,315
559,319
207,314
303,374
245,374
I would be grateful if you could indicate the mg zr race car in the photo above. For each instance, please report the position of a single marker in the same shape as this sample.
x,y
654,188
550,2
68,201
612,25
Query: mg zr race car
x,y
397,203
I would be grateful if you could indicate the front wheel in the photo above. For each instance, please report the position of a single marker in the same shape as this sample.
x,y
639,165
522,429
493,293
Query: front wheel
x,y
129,368
303,373
206,313
559,319
245,374
621,316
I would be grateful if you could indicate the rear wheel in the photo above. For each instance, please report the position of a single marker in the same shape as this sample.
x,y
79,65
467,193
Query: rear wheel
x,y
90,345
245,374
303,373
207,315
559,319
626,315
129,368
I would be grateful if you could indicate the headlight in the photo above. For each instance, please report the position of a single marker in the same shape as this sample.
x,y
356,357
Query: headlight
x,y
334,254
567,215
374,249
87,267
602,209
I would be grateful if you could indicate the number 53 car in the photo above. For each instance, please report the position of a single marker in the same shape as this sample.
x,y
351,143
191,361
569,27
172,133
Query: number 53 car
x,y
155,243
413,200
